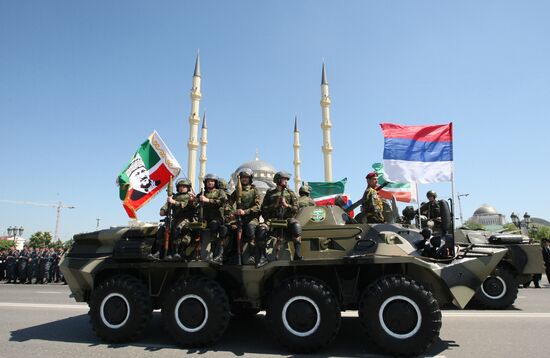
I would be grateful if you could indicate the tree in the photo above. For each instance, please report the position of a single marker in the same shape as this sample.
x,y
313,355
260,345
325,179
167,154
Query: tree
x,y
510,227
6,244
68,244
473,225
40,239
543,232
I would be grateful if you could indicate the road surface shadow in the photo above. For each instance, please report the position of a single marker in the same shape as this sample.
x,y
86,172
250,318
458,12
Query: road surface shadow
x,y
250,335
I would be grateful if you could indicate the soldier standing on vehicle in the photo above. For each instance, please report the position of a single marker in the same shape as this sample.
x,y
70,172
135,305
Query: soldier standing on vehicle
x,y
281,203
304,199
183,210
244,206
431,209
372,207
213,200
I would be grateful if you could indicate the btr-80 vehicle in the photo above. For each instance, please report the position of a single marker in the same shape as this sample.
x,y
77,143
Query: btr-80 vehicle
x,y
374,269
522,260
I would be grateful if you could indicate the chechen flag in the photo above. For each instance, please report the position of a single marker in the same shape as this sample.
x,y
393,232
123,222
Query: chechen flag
x,y
146,174
325,192
404,192
418,154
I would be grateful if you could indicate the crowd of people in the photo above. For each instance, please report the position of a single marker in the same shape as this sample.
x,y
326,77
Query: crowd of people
x,y
31,265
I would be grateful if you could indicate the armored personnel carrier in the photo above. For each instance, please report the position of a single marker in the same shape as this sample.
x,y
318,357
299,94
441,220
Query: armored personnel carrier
x,y
376,270
523,259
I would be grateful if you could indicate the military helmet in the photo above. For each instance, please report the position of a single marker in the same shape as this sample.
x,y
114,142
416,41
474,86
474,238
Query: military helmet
x,y
305,189
279,175
431,193
183,181
211,177
222,184
246,172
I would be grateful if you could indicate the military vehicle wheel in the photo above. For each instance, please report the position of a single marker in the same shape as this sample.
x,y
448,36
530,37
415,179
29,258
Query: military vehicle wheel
x,y
399,316
304,314
120,308
196,312
498,291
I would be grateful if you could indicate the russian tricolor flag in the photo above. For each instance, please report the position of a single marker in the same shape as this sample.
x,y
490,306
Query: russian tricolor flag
x,y
418,154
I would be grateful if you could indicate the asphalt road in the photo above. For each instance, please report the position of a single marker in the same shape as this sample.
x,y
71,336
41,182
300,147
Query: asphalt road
x,y
42,321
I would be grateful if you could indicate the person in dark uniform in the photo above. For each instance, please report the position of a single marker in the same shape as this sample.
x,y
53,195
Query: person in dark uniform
x,y
11,264
22,265
281,203
431,209
3,255
546,257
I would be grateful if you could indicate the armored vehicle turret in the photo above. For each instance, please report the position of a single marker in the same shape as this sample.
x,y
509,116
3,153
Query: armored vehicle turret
x,y
376,270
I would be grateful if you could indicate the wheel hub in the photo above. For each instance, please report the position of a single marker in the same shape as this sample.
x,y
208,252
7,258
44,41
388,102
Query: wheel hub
x,y
494,287
400,317
191,313
301,316
114,310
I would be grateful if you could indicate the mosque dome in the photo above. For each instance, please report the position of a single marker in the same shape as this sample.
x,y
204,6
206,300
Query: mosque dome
x,y
485,210
263,174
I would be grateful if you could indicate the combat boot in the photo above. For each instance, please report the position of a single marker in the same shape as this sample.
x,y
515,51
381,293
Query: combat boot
x,y
298,249
261,259
218,258
155,256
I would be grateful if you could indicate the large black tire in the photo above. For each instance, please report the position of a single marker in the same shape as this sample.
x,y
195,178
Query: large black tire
x,y
498,291
399,316
196,312
120,309
304,314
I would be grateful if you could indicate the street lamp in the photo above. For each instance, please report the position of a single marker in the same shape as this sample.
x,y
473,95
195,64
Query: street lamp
x,y
460,207
15,231
515,219
527,219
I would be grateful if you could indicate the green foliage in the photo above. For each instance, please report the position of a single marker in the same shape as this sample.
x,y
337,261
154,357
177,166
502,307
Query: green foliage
x,y
6,244
510,227
472,225
68,244
543,232
40,239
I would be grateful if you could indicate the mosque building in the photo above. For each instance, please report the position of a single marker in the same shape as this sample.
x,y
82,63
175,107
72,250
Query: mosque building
x,y
263,171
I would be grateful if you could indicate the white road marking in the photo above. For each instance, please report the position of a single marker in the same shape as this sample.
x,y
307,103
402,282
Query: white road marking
x,y
54,292
479,314
42,305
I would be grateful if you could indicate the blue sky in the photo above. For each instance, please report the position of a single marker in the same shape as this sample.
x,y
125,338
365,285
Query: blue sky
x,y
82,84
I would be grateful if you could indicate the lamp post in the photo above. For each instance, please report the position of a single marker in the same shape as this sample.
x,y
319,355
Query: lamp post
x,y
15,231
460,207
517,222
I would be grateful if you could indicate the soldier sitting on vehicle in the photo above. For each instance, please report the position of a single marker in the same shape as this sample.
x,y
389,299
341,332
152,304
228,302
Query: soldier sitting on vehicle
x,y
281,204
244,213
431,210
182,204
212,200
304,199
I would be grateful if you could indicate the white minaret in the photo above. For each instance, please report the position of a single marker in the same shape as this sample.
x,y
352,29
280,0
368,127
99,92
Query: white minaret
x,y
297,177
326,125
194,119
202,158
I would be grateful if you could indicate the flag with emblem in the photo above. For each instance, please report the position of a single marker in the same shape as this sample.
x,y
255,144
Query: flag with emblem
x,y
404,192
149,170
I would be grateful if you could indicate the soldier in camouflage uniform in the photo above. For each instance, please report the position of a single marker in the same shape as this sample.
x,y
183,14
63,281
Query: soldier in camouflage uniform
x,y
304,199
372,207
213,201
244,210
183,205
431,209
281,203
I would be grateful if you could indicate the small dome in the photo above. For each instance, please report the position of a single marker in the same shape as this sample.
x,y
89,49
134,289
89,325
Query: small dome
x,y
485,210
257,166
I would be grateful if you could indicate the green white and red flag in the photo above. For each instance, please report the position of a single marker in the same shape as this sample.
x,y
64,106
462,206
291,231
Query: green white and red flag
x,y
149,170
324,192
404,192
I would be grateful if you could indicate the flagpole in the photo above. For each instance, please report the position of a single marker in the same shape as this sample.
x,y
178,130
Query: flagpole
x,y
418,203
453,193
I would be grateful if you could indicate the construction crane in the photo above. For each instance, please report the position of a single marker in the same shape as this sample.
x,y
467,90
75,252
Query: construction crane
x,y
59,205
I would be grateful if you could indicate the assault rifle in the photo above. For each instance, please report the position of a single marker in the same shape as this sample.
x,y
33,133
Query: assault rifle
x,y
239,220
168,219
